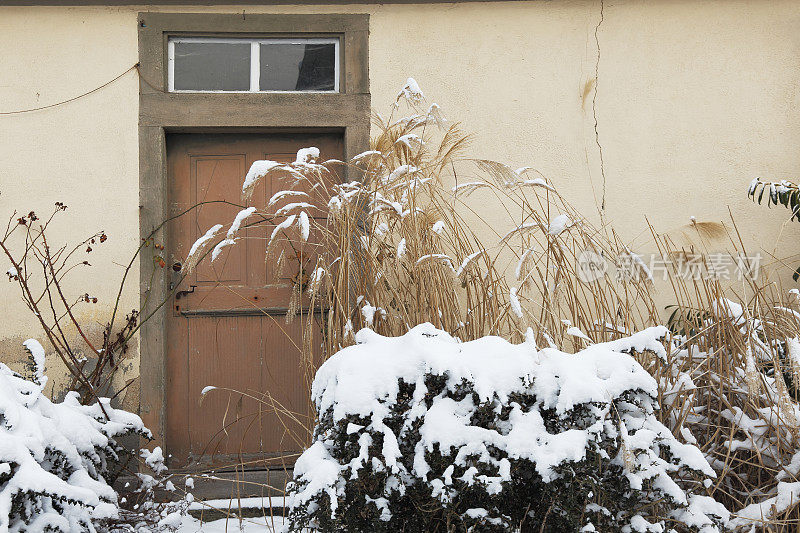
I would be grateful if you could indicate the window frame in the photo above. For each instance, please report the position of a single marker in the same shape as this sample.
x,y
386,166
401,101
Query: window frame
x,y
255,60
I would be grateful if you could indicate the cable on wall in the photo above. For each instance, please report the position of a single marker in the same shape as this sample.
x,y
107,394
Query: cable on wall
x,y
106,84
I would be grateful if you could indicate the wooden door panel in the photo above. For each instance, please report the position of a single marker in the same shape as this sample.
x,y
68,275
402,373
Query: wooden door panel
x,y
283,380
211,181
230,330
225,352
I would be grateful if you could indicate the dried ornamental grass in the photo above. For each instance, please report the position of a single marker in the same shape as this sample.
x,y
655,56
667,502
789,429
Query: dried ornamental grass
x,y
729,387
418,238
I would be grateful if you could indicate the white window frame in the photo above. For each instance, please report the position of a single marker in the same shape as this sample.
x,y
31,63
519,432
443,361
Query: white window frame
x,y
255,60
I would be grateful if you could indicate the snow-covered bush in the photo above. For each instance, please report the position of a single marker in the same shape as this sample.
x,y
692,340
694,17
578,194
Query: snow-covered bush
x,y
54,457
425,433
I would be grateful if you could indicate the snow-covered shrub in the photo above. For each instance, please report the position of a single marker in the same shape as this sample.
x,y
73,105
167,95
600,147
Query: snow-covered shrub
x,y
425,433
54,457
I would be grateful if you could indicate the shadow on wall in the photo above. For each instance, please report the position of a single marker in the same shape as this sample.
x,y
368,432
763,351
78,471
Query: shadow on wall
x,y
125,384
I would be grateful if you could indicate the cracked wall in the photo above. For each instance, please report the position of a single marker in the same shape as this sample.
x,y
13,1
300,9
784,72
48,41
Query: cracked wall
x,y
689,101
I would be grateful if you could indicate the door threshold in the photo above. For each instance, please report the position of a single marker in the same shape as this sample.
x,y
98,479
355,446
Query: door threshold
x,y
248,486
210,510
240,485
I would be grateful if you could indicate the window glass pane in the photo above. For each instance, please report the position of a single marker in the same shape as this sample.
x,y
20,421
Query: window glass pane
x,y
298,67
212,66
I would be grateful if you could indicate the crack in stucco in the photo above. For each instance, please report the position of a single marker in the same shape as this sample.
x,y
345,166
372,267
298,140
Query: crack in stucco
x,y
594,105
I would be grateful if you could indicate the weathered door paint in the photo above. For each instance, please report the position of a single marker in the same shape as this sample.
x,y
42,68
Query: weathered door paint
x,y
227,327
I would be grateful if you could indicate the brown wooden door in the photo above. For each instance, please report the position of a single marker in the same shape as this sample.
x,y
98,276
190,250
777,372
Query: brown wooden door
x,y
230,331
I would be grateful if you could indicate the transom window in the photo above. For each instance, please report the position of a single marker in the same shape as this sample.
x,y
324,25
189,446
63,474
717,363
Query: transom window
x,y
200,64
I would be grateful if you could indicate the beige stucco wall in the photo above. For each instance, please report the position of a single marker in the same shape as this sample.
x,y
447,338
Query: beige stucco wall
x,y
695,98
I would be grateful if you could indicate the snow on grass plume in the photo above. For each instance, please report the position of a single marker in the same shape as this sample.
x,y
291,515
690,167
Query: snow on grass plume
x,y
411,91
307,156
241,216
258,170
220,246
198,247
420,431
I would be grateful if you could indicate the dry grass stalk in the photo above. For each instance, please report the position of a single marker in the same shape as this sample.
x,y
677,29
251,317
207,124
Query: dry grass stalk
x,y
407,244
726,386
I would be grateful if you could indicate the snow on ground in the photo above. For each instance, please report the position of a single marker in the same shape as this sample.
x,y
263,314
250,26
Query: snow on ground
x,y
241,503
255,524
224,525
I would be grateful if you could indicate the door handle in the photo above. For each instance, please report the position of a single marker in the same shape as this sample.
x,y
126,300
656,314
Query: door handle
x,y
181,294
